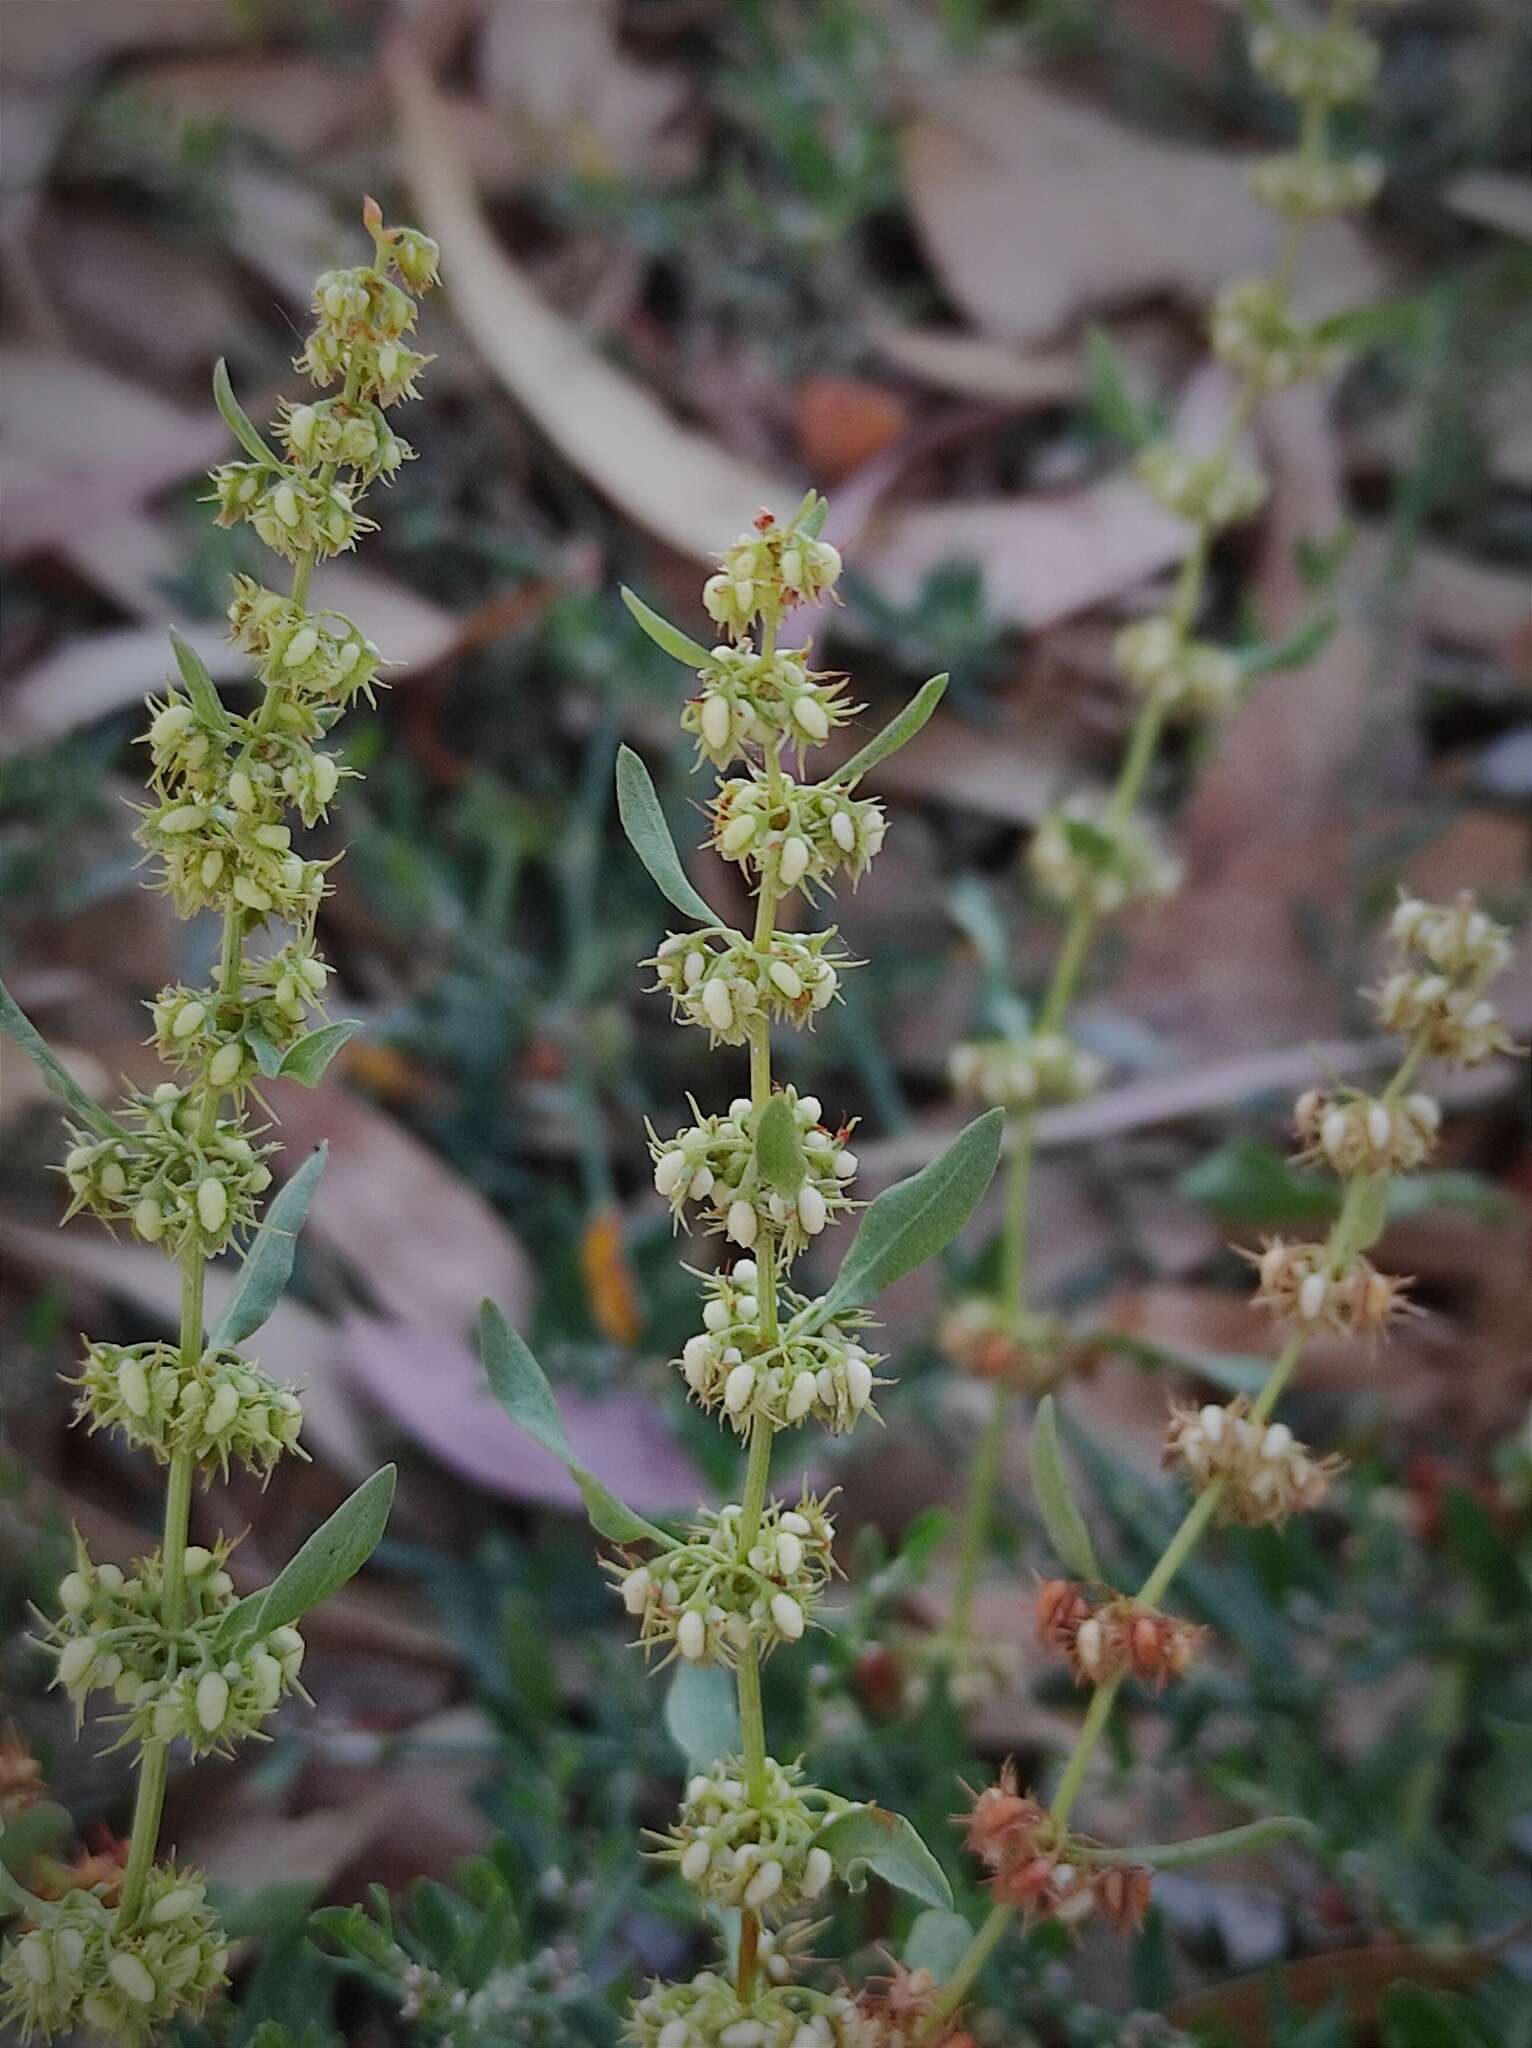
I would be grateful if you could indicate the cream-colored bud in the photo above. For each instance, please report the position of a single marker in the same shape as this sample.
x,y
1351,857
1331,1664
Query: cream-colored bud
x,y
812,1213
1379,1126
212,1701
858,1382
74,1593
787,1615
133,1385
696,1860
175,1905
786,979
742,1223
35,1958
794,861
225,1064
1311,1296
789,1552
737,835
635,1590
691,1636
132,1977
766,1883
670,1169
212,1205
222,1410
843,831
810,716
76,1660
718,1005
800,1398
1088,1646
717,722
738,1388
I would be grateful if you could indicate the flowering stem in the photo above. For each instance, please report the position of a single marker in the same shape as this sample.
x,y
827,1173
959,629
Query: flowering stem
x,y
1175,1554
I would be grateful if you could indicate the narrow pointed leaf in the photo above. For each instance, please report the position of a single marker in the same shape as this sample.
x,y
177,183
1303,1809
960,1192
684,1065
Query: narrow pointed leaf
x,y
334,1554
810,517
638,805
1295,649
870,1838
778,1148
679,645
898,732
1113,403
16,1024
237,420
1256,1834
200,686
702,1715
937,1942
269,1262
1066,1527
916,1218
521,1387
307,1060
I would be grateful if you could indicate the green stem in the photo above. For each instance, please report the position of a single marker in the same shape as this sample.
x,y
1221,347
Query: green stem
x,y
976,1520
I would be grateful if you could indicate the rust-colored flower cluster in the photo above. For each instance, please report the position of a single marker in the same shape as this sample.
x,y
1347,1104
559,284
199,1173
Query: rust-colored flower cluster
x,y
1301,1284
1037,1866
1267,1474
901,2010
1113,1638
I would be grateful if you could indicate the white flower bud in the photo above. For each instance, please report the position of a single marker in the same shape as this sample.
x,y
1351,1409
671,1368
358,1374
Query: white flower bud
x,y
765,1885
789,1552
818,1869
212,1701
810,716
133,1385
738,1388
787,1615
212,1205
742,1223
793,863
175,1905
718,1005
691,1635
132,1977
74,1593
800,1398
1088,1646
786,979
696,1860
36,1959
670,1169
635,1590
858,1382
76,1659
1311,1296
812,1213
717,722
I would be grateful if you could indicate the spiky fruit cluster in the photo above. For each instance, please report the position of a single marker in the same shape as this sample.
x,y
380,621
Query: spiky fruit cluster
x,y
1445,956
1025,1073
83,1966
1105,1639
1264,1473
195,1675
761,1853
749,699
1083,855
713,1163
1029,1352
726,1587
723,982
735,1371
1033,1862
222,1408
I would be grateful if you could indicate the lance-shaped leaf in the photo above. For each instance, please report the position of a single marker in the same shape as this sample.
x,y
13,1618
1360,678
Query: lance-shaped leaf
x,y
778,1149
1256,1834
333,1555
675,643
638,805
15,1023
237,420
1294,650
1066,1527
200,686
899,731
269,1262
521,1387
810,517
702,1714
937,1942
307,1060
914,1219
870,1838
1113,403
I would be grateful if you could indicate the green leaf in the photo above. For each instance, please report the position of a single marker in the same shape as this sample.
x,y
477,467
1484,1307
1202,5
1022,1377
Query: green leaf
x,y
1248,1181
1415,2018
521,1387
810,517
915,1219
1111,399
1295,650
1256,1834
307,1060
200,686
702,1714
937,1942
268,1056
664,634
870,1838
778,1148
15,1023
269,1262
1386,323
32,1832
899,731
237,420
1362,1218
638,806
1062,1519
333,1555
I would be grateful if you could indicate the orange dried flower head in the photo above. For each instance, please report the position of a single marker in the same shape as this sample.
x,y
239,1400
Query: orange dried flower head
x,y
1061,1607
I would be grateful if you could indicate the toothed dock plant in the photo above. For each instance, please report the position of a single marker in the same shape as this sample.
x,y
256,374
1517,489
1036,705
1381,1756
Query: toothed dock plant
x,y
1093,859
166,1645
767,1176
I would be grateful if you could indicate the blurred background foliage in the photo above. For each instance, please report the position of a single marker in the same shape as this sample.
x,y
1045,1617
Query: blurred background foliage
x,y
855,241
